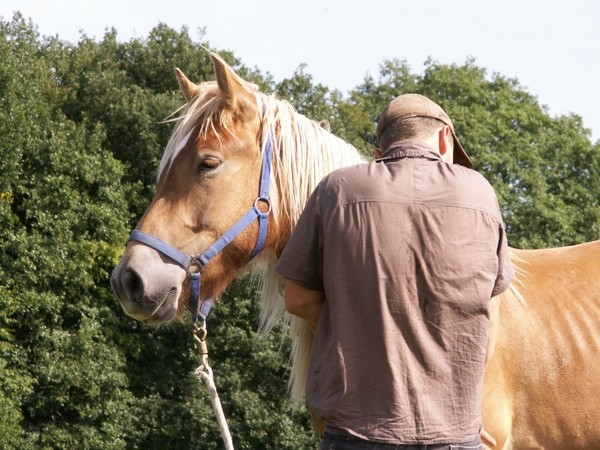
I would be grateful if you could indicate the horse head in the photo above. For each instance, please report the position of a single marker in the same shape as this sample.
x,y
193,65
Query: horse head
x,y
208,179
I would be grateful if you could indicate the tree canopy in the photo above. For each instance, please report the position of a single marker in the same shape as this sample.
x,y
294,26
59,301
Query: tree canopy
x,y
81,132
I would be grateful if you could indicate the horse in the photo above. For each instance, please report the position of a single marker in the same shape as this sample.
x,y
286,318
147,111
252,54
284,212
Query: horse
x,y
542,379
232,182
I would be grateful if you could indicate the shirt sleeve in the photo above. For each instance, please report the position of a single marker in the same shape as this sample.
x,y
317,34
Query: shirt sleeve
x,y
506,271
302,257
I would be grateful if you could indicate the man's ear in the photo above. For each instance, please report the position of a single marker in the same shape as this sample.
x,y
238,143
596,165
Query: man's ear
x,y
378,153
445,139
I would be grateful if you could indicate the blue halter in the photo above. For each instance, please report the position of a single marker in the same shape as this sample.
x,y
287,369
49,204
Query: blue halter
x,y
194,265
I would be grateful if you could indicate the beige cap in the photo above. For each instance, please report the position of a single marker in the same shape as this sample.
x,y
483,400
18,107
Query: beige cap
x,y
416,105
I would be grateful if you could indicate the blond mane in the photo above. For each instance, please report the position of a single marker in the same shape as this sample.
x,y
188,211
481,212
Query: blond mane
x,y
303,153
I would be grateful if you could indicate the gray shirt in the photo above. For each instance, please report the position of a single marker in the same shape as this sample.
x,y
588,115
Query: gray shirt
x,y
408,250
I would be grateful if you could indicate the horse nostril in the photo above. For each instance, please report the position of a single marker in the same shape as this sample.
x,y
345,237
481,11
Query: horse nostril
x,y
133,285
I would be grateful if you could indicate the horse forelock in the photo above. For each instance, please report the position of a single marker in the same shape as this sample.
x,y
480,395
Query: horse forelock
x,y
206,114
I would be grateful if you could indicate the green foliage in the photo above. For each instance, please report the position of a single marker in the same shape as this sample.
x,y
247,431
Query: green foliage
x,y
60,190
357,116
81,134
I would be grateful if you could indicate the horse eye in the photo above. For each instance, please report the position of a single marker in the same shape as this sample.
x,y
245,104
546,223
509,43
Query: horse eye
x,y
208,164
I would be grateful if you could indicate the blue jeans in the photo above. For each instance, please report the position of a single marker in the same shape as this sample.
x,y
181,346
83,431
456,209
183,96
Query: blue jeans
x,y
338,440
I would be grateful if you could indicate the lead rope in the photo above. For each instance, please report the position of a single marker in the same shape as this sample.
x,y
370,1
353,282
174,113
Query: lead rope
x,y
205,372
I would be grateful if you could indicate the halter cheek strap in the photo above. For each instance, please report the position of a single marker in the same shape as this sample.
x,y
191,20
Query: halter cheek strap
x,y
194,265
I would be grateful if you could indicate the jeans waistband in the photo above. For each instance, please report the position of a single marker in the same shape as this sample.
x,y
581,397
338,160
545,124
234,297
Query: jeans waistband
x,y
336,434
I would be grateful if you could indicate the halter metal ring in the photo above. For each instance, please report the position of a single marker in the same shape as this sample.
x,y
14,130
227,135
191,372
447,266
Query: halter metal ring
x,y
265,200
195,262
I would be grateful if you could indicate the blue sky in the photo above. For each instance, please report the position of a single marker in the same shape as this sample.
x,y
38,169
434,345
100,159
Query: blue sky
x,y
552,47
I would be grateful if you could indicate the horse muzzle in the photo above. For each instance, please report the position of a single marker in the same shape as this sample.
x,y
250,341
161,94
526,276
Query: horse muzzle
x,y
147,286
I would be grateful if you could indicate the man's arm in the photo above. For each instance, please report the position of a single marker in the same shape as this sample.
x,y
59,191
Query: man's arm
x,y
302,302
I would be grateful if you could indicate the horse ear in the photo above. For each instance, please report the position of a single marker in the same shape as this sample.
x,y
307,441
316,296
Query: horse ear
x,y
190,90
228,81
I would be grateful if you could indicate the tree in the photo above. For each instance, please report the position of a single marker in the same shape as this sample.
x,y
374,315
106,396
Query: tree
x,y
59,232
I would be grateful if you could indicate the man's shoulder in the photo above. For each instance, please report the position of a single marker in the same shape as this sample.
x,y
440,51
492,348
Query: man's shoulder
x,y
470,177
342,174
467,188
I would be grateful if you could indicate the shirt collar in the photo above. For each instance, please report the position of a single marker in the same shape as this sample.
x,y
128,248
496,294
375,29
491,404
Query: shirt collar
x,y
410,148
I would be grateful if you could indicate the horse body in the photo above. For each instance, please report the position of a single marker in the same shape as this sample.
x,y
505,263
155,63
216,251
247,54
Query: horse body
x,y
542,379
542,375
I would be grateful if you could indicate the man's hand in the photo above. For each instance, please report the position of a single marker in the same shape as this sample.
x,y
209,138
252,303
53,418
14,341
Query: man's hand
x,y
487,440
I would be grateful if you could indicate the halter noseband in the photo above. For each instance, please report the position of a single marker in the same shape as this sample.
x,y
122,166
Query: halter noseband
x,y
194,265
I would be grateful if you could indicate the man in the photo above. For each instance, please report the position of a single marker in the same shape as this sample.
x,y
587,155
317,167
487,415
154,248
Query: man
x,y
395,262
